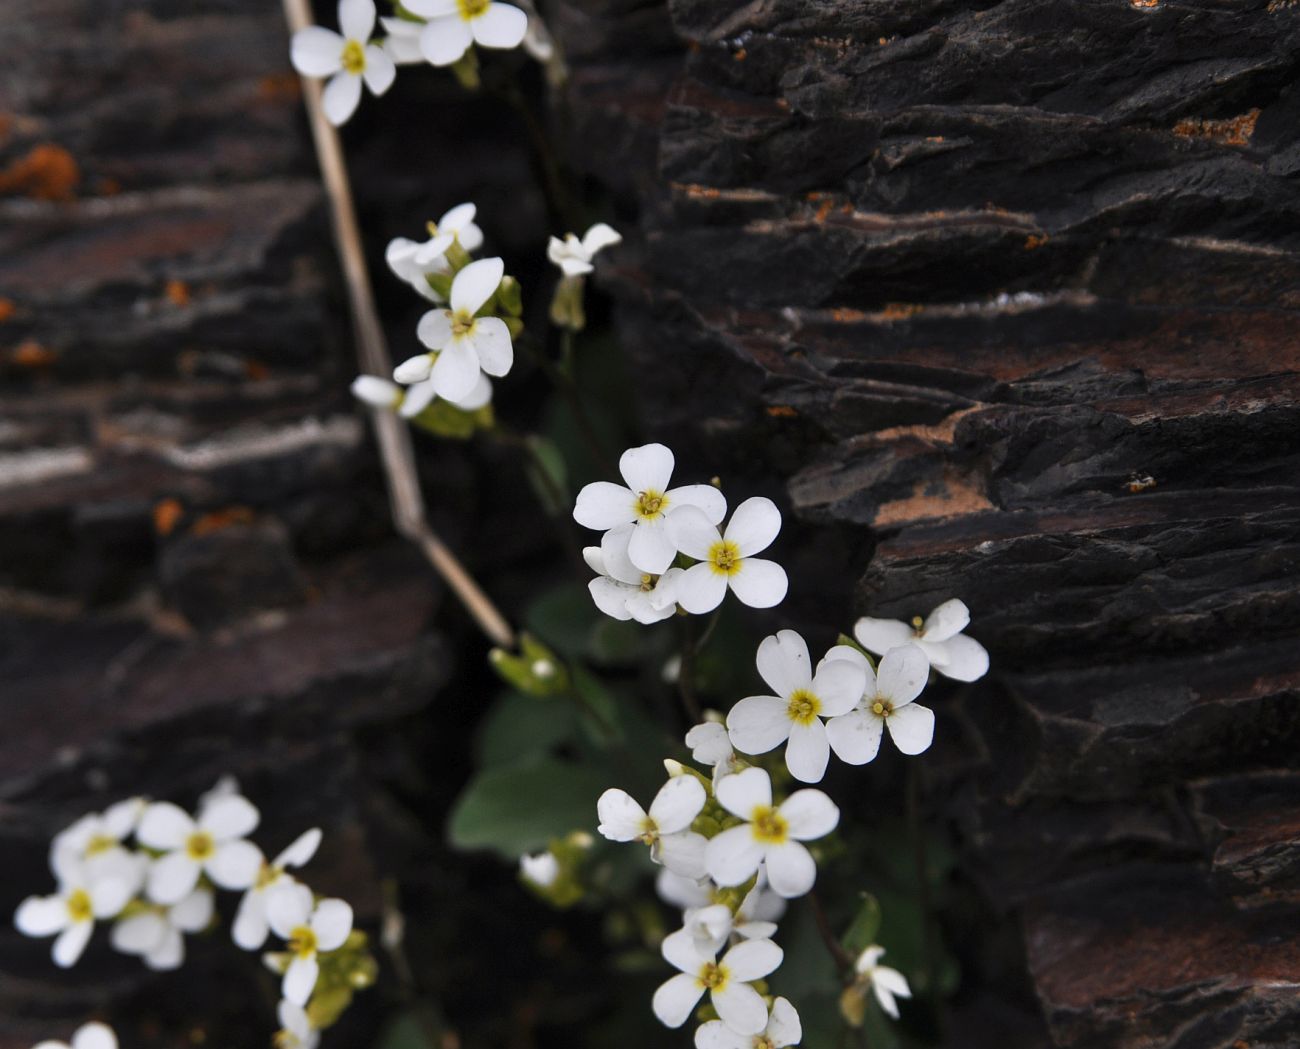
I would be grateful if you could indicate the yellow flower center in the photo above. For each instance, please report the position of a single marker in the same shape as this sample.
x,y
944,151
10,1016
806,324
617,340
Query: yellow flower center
x,y
267,876
649,832
100,843
762,1041
462,323
804,707
472,8
354,57
302,941
647,582
200,846
650,504
918,624
882,707
80,908
724,556
713,977
769,825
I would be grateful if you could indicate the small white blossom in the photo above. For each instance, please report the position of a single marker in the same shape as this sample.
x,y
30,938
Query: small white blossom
x,y
377,392
87,1036
783,1029
251,923
414,261
770,835
308,928
886,983
623,591
346,59
213,844
886,703
403,40
758,724
423,394
461,344
726,559
87,892
711,745
541,870
727,980
157,933
939,636
634,518
296,1031
759,911
97,834
574,256
683,892
454,25
665,828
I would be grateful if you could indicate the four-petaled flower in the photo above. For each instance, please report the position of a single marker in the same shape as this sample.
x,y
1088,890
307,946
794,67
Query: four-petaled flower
x,y
634,518
771,835
726,559
87,1036
414,261
98,834
213,844
939,636
308,930
726,979
886,983
456,24
346,59
886,703
574,256
157,933
86,892
711,745
665,828
758,724
623,591
251,925
783,1029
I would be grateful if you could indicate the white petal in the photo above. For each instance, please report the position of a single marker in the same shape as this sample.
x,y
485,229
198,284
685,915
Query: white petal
x,y
756,930
880,635
704,497
651,549
376,392
810,814
455,372
229,817
699,589
753,525
500,26
235,864
968,660
741,1007
709,743
300,979
600,236
710,927
603,504
380,70
783,662
444,40
790,869
491,340
287,907
911,728
678,802
194,913
417,398
752,960
691,531
886,999
357,19
783,1026
402,49
139,935
414,369
759,583
849,654
475,284
434,330
340,97
172,877
648,468
42,915
71,943
839,684
675,999
892,980
717,1035
572,267
951,617
611,597
317,51
744,792
109,895
332,923
758,724
120,819
455,219
250,928
855,736
621,818
433,8
682,951
480,395
613,554
808,753
682,853
902,674
169,954
164,826
681,892
733,856
431,252
94,1036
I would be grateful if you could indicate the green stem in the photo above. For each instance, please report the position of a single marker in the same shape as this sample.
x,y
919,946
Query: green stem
x,y
566,388
686,675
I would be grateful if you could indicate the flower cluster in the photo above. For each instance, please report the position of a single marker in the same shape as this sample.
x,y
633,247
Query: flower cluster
x,y
87,1036
151,869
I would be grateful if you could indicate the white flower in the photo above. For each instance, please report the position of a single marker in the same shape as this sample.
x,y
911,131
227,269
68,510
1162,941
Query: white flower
x,y
347,59
574,256
665,828
712,925
727,979
422,394
87,1036
759,911
541,870
726,558
939,636
634,517
97,834
783,1029
413,261
681,891
456,24
769,835
251,924
213,844
711,745
308,929
156,934
758,724
886,703
296,1031
403,40
86,892
887,983
623,591
461,343
377,392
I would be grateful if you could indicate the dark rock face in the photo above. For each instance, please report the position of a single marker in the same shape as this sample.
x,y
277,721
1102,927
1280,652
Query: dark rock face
x,y
1005,292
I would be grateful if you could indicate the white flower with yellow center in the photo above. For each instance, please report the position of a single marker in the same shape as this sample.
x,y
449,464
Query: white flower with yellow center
x,y
157,933
403,40
419,396
251,924
308,929
783,1029
213,845
886,983
634,518
296,1031
98,834
758,724
87,1036
726,559
770,835
461,343
623,591
574,256
727,979
347,59
413,261
87,892
886,703
711,745
939,635
454,25
665,828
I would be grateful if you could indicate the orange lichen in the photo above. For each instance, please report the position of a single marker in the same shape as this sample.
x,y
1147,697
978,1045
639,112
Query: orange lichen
x,y
1144,5
31,354
1140,484
899,311
740,55
952,497
178,293
1034,240
219,520
843,315
46,172
166,515
823,209
7,310
1230,131
781,411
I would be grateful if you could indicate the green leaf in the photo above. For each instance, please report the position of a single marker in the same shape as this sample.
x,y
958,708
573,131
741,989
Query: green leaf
x,y
563,617
864,928
518,728
548,476
417,1028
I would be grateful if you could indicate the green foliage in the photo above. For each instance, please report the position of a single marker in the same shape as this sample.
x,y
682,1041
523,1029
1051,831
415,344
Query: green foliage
x,y
548,476
535,670
444,419
864,928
